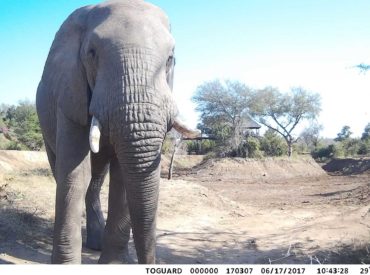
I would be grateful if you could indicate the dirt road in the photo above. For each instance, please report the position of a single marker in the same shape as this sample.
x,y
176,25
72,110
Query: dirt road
x,y
221,211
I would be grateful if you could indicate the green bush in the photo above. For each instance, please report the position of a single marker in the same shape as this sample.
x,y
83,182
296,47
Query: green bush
x,y
207,146
24,126
351,146
167,146
328,152
14,145
364,148
323,153
250,148
338,150
273,145
253,147
192,147
201,147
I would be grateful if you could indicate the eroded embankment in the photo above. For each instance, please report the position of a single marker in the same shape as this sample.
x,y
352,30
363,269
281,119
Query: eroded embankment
x,y
348,166
260,170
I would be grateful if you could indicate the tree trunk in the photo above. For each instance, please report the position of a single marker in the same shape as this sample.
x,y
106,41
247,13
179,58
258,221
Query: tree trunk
x,y
170,169
290,148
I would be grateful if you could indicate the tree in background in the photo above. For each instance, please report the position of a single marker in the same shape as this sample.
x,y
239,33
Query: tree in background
x,y
23,126
344,134
311,136
366,134
3,127
365,141
344,145
222,107
282,112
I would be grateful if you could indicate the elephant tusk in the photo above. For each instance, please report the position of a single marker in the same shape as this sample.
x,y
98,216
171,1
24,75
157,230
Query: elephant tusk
x,y
94,137
184,130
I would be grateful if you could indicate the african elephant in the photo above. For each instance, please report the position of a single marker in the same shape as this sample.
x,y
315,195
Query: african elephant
x,y
106,86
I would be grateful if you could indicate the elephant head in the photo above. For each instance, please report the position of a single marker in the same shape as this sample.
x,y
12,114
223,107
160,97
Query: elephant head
x,y
116,61
110,68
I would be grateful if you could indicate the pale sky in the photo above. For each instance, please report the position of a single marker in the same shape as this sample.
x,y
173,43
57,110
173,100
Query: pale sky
x,y
308,43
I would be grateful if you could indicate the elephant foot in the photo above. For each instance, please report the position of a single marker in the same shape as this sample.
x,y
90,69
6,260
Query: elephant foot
x,y
128,260
94,239
94,244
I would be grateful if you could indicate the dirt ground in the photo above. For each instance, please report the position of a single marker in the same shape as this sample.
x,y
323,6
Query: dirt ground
x,y
213,211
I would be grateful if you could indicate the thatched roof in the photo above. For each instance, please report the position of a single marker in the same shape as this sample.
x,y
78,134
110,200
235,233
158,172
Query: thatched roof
x,y
249,123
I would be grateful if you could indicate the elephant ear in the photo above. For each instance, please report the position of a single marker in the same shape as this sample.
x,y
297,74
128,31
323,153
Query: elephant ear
x,y
64,75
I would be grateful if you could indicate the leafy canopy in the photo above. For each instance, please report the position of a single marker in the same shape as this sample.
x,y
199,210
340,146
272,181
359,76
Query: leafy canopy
x,y
223,107
282,112
222,103
344,134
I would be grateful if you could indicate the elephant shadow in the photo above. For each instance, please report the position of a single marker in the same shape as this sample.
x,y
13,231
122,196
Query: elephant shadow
x,y
241,248
26,237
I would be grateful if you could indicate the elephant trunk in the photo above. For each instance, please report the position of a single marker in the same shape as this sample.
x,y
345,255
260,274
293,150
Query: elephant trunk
x,y
139,153
141,171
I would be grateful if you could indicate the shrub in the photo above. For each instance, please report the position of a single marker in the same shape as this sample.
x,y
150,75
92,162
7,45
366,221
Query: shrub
x,y
14,145
273,145
207,146
364,148
351,146
330,151
201,147
252,145
167,145
23,123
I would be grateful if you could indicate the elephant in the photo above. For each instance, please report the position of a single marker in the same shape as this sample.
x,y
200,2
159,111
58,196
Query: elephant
x,y
105,104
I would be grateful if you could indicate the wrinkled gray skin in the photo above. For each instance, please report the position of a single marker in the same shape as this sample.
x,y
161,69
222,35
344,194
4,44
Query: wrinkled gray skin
x,y
113,61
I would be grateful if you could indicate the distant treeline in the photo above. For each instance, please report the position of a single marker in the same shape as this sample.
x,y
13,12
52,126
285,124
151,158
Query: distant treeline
x,y
225,111
229,111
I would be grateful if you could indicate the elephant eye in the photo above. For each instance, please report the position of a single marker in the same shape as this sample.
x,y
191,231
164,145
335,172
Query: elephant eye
x,y
92,53
171,61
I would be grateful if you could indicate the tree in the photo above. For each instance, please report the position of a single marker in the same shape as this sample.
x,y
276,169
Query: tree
x,y
344,134
311,135
351,146
173,142
282,112
177,142
222,107
366,134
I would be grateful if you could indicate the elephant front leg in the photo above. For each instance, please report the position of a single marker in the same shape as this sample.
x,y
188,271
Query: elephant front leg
x,y
95,222
73,173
